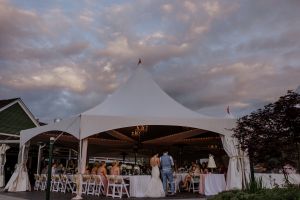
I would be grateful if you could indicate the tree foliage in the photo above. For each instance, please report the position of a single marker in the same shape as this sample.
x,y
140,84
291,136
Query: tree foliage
x,y
272,134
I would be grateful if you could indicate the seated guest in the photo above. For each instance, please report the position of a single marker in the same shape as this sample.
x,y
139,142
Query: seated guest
x,y
45,170
103,173
115,169
192,165
205,171
60,169
188,178
198,170
102,169
95,168
54,169
87,170
289,169
71,164
204,168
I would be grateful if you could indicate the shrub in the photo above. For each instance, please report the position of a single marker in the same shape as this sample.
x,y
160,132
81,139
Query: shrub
x,y
254,185
292,193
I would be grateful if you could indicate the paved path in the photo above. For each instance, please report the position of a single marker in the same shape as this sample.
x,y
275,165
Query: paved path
x,y
5,197
60,196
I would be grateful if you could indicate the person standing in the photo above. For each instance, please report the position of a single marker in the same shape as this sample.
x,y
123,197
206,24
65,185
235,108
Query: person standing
x,y
155,187
166,162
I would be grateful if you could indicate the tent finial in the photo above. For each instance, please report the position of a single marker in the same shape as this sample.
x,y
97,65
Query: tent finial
x,y
139,62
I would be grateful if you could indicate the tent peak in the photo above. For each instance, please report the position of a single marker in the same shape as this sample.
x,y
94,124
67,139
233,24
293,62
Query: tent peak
x,y
141,96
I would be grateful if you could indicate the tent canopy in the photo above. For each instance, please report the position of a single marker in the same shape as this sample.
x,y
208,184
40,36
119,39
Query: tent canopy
x,y
138,102
142,102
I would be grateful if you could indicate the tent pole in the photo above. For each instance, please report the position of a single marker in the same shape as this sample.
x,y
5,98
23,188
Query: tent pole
x,y
49,168
69,158
38,169
79,178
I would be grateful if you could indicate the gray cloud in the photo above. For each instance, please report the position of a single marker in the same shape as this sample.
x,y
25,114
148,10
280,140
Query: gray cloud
x,y
205,54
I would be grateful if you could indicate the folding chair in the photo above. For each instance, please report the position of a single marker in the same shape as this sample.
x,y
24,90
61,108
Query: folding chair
x,y
56,182
71,183
117,187
91,185
99,189
194,184
85,180
43,185
63,183
37,182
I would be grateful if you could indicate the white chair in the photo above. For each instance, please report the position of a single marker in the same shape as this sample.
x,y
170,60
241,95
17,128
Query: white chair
x,y
63,183
117,187
126,185
71,183
43,185
99,189
37,182
56,183
194,183
84,184
91,185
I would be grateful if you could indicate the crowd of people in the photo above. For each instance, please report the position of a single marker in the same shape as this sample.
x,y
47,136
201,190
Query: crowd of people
x,y
159,163
119,168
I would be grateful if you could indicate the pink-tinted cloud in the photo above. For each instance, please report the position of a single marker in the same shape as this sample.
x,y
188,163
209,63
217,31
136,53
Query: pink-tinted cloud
x,y
205,54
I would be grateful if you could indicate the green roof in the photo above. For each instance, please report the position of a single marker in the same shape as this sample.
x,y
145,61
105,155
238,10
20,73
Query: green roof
x,y
5,102
14,119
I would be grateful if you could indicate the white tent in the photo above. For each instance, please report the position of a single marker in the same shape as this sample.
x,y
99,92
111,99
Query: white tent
x,y
141,102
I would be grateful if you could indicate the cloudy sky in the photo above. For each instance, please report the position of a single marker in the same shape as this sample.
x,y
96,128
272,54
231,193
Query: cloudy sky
x,y
64,56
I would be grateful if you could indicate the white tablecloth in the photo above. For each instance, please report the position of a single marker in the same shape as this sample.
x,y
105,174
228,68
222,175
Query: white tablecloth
x,y
271,180
210,184
213,183
138,185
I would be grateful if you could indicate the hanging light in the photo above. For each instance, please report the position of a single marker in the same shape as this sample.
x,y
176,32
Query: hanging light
x,y
139,130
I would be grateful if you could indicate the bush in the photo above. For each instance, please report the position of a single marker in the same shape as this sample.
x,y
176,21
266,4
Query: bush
x,y
292,193
254,186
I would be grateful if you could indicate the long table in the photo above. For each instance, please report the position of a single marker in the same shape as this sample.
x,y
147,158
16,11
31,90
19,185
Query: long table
x,y
210,184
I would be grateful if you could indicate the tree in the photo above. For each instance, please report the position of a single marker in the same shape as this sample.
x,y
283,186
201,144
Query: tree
x,y
272,135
